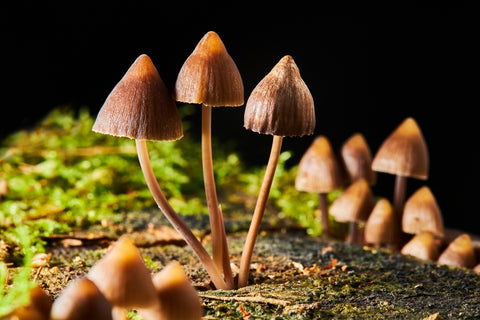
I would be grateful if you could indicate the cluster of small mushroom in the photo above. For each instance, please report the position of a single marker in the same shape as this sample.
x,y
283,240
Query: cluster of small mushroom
x,y
117,283
413,226
140,107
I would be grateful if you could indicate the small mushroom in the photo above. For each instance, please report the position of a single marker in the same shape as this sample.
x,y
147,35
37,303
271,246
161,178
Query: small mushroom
x,y
422,246
319,172
421,213
123,278
404,154
357,159
141,108
38,307
80,300
177,298
280,105
210,77
459,253
354,205
380,223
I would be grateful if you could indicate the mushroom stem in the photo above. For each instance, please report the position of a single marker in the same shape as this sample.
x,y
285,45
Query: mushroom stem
x,y
219,240
353,232
399,195
174,218
322,201
259,210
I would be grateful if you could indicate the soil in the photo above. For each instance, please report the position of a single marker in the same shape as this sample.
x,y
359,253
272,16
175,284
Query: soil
x,y
293,275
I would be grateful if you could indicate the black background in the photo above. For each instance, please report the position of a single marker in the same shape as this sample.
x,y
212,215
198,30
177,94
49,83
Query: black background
x,y
367,71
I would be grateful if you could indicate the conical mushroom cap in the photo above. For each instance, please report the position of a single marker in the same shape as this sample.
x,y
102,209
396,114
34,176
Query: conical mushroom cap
x,y
422,246
209,76
404,152
421,213
81,299
357,159
380,223
122,276
140,106
354,204
177,298
318,170
460,253
281,103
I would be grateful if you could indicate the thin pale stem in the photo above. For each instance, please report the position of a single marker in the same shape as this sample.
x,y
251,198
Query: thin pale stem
x,y
220,252
399,194
174,218
322,201
259,210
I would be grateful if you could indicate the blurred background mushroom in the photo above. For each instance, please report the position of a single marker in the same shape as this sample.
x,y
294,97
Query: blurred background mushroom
x,y
211,78
280,105
422,246
357,159
380,224
403,154
319,172
459,253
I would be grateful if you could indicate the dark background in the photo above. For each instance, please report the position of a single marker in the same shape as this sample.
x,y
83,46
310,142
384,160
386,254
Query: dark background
x,y
367,71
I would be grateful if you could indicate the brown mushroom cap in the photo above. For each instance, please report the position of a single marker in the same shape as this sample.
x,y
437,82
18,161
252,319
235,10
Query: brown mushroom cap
x,y
421,213
122,276
209,76
80,300
281,104
380,223
177,298
318,169
354,204
422,246
357,159
404,152
140,106
460,253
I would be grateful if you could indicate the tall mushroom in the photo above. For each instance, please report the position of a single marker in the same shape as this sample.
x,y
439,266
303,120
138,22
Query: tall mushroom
x,y
319,172
353,206
404,154
357,159
210,77
141,108
280,105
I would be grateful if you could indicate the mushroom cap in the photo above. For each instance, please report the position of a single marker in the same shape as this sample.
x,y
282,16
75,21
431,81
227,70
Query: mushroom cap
x,y
81,299
404,152
140,106
209,76
318,169
281,104
122,276
459,253
380,223
421,213
354,204
177,298
357,159
422,246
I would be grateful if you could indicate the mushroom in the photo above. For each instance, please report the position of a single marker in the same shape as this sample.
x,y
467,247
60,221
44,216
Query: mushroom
x,y
38,307
357,159
422,246
141,108
177,298
353,206
280,105
404,154
210,77
319,172
421,213
81,299
459,253
123,278
380,223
